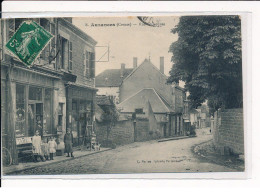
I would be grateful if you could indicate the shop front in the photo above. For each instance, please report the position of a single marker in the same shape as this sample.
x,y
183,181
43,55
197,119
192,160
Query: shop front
x,y
33,105
80,111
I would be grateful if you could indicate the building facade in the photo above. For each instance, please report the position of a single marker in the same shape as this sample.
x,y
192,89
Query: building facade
x,y
57,92
145,90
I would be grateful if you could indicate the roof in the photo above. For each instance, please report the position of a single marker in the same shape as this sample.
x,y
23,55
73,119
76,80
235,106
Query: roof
x,y
103,100
140,99
111,77
146,61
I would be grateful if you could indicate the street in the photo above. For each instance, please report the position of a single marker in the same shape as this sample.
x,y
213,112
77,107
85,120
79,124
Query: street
x,y
140,157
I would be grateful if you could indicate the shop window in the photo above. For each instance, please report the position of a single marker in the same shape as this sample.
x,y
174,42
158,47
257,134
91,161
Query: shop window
x,y
35,93
20,111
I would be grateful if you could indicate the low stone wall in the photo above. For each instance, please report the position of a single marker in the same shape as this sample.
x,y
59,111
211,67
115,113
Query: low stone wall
x,y
122,133
228,131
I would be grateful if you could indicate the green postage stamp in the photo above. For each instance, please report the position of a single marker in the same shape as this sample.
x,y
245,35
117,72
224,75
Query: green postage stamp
x,y
28,41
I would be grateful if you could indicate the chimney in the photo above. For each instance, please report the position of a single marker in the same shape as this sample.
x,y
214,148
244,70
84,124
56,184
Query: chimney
x,y
162,64
122,70
135,62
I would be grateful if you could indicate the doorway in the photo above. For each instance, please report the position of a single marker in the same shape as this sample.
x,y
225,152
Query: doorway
x,y
35,118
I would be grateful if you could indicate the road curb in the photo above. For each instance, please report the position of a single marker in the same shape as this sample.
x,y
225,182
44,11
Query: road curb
x,y
55,162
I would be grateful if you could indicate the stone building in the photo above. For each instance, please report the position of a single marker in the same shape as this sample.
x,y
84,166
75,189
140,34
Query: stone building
x,y
57,92
145,89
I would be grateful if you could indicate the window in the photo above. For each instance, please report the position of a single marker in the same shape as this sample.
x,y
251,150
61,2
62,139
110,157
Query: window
x,y
89,64
46,52
64,53
35,93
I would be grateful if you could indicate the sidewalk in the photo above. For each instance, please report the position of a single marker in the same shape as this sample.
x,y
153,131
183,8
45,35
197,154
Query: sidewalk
x,y
29,165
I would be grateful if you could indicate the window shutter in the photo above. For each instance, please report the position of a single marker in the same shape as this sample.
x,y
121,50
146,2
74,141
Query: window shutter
x,y
88,64
92,65
52,31
11,26
70,55
59,50
37,20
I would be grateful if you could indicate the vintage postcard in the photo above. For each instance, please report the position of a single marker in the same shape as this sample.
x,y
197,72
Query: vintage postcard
x,y
122,95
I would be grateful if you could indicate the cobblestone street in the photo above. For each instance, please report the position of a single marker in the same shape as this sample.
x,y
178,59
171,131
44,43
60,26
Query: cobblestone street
x,y
152,156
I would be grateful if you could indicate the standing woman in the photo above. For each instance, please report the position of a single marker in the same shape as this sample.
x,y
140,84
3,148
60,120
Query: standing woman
x,y
68,140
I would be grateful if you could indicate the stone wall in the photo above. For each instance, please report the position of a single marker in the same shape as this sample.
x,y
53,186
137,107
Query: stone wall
x,y
228,131
122,133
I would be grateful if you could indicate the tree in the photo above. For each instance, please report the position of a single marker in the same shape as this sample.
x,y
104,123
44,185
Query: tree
x,y
110,117
208,57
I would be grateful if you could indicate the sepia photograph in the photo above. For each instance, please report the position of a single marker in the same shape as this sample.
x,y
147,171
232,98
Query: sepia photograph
x,y
122,95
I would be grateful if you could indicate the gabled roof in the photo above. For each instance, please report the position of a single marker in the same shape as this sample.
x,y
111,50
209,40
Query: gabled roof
x,y
111,77
139,100
146,61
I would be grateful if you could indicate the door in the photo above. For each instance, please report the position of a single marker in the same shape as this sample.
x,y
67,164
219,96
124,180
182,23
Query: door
x,y
164,130
35,118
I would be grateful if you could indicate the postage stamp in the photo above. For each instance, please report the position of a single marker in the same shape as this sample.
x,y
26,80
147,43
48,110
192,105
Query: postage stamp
x,y
28,42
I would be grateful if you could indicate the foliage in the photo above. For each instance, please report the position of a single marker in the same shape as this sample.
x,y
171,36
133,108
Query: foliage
x,y
207,57
110,117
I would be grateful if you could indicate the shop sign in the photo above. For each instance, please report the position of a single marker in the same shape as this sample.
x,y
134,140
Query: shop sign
x,y
23,140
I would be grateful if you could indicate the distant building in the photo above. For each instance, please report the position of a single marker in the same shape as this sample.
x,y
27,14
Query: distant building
x,y
108,82
146,91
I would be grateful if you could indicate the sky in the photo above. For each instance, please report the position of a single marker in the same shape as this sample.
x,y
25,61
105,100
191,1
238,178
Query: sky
x,y
126,42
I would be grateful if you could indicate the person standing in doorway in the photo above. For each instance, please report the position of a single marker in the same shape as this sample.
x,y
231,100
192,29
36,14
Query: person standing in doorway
x,y
68,140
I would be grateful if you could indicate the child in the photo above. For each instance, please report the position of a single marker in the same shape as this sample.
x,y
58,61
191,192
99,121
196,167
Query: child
x,y
52,147
37,150
45,148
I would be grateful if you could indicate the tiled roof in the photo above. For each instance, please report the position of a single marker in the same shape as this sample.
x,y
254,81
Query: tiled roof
x,y
111,77
140,99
